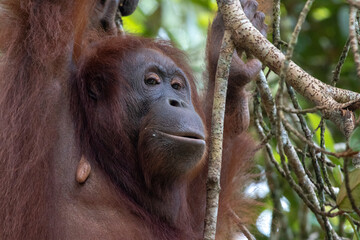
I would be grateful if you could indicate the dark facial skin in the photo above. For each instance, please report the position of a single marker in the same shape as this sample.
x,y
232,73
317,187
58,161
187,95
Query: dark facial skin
x,y
140,115
171,134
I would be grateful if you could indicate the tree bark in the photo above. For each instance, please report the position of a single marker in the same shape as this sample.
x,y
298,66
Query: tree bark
x,y
316,91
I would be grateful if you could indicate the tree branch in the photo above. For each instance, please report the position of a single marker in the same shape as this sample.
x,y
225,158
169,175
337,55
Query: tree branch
x,y
305,189
353,38
316,91
217,127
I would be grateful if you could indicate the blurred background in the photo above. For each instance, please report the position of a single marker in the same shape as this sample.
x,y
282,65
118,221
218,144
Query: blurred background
x,y
320,44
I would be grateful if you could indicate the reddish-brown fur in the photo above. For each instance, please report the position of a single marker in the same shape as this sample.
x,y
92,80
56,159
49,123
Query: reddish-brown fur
x,y
40,198
35,42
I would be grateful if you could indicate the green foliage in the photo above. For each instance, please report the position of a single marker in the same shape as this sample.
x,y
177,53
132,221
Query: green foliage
x,y
183,22
314,121
354,142
337,176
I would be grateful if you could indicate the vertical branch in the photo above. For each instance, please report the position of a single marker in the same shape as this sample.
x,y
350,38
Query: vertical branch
x,y
293,40
284,144
216,138
337,71
348,189
276,23
279,103
353,38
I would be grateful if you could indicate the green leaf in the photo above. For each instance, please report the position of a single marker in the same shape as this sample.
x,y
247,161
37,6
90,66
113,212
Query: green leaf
x,y
354,141
338,176
342,199
356,234
335,160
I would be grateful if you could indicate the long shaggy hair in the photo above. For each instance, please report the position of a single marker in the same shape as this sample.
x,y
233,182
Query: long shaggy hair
x,y
36,43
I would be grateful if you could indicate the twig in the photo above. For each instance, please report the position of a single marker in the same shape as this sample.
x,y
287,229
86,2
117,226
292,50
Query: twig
x,y
290,128
353,38
302,111
328,163
308,135
302,159
294,38
276,23
337,71
286,149
241,226
348,190
322,161
320,181
277,221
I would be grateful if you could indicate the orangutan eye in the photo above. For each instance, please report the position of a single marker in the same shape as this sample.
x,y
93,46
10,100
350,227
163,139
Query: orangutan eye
x,y
176,86
152,79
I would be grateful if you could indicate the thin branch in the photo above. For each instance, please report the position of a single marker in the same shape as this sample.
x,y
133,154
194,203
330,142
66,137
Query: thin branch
x,y
302,111
294,38
276,23
344,53
268,149
322,160
291,129
348,189
354,3
217,127
241,226
353,38
306,189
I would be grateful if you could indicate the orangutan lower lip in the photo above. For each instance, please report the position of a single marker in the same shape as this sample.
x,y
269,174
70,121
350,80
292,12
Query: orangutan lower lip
x,y
184,136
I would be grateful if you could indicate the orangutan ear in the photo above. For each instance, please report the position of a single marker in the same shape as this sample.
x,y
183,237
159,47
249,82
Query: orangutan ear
x,y
95,87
